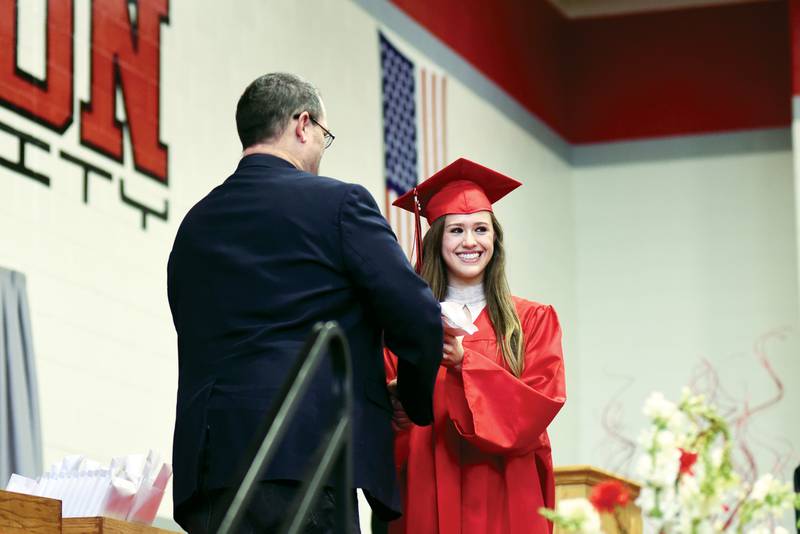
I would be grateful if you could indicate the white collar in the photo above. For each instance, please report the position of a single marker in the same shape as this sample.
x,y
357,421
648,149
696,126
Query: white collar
x,y
472,297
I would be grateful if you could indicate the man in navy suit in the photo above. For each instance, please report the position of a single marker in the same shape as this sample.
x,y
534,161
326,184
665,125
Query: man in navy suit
x,y
255,264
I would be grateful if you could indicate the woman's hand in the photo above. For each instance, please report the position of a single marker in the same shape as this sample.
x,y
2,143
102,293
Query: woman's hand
x,y
452,351
400,420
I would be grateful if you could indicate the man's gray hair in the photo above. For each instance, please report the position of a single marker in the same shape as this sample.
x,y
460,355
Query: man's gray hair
x,y
265,107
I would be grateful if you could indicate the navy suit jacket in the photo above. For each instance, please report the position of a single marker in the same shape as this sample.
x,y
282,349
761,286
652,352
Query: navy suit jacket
x,y
254,266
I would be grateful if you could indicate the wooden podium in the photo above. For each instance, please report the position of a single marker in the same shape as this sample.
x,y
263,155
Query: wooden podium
x,y
24,514
106,525
575,481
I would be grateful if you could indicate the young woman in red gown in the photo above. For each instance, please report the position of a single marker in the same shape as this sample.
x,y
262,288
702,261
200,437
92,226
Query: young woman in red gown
x,y
485,464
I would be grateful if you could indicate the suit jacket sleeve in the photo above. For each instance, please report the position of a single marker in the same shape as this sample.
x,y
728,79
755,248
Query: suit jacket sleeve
x,y
401,301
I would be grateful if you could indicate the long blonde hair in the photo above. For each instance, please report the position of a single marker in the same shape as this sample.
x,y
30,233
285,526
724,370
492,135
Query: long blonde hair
x,y
500,306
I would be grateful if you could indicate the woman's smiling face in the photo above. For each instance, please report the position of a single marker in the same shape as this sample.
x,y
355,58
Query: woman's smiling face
x,y
467,246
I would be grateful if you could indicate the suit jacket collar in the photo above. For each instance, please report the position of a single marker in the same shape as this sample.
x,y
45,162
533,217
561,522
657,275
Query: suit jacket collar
x,y
263,160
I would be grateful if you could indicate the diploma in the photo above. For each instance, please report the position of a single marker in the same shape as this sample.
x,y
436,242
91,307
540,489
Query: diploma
x,y
455,320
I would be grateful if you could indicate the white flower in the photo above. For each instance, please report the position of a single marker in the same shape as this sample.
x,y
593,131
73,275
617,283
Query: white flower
x,y
646,437
762,487
669,503
664,474
647,499
664,470
644,465
763,529
717,455
689,490
666,440
658,408
695,501
680,425
582,512
704,527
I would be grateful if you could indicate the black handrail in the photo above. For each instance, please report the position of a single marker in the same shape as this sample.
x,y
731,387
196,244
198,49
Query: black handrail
x,y
334,452
797,490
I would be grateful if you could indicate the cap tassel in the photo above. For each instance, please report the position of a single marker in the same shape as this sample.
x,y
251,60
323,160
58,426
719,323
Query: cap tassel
x,y
417,233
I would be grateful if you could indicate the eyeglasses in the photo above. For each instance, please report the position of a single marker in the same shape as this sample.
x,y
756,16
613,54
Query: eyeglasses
x,y
327,135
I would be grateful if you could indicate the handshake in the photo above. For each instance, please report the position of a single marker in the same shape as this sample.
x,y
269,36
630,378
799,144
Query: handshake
x,y
456,324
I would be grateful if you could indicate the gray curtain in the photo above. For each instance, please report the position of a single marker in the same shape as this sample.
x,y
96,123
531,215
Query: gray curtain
x,y
20,427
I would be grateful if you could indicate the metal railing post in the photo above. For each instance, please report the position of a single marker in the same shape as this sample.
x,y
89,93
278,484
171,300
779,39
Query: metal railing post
x,y
334,454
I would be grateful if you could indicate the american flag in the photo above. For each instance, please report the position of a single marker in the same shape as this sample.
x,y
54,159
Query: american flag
x,y
404,89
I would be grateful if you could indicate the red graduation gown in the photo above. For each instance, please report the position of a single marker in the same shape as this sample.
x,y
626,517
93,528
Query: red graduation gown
x,y
485,465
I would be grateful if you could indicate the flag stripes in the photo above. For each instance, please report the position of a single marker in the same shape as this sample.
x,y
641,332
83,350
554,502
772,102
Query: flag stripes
x,y
406,89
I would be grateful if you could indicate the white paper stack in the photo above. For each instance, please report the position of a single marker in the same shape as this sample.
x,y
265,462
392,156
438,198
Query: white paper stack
x,y
130,489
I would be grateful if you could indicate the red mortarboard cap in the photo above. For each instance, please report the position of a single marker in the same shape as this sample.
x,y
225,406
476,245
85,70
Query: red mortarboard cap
x,y
461,187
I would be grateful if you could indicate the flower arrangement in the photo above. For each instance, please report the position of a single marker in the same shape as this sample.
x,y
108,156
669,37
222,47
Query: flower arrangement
x,y
689,484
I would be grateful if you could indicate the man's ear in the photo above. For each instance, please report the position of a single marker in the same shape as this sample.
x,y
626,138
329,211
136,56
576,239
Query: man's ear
x,y
301,131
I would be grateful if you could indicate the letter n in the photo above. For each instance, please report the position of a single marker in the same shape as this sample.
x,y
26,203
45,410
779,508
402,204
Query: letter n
x,y
126,54
48,101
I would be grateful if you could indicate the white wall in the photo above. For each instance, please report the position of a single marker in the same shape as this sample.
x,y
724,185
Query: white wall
x,y
105,346
683,259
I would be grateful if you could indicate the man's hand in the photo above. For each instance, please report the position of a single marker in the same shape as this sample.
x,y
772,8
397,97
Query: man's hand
x,y
452,351
400,420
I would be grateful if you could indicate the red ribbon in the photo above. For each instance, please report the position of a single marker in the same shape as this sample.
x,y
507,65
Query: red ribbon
x,y
417,233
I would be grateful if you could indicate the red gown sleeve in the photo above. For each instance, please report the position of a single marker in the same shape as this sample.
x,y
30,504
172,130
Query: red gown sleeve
x,y
389,365
401,437
500,413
